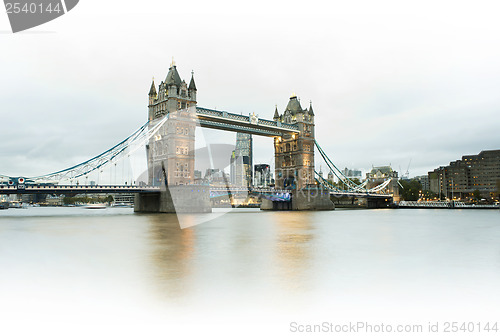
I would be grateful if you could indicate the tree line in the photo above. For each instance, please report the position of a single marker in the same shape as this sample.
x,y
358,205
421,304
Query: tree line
x,y
88,200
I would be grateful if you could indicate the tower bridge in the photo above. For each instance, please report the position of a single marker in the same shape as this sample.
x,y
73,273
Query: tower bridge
x,y
169,139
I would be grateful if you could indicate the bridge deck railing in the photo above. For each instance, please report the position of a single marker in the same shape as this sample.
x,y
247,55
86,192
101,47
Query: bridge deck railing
x,y
445,204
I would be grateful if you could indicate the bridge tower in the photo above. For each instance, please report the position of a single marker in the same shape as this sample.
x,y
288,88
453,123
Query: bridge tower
x,y
173,146
170,152
294,161
294,154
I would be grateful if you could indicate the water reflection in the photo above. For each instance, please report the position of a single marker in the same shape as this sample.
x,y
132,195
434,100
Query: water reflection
x,y
232,255
264,257
250,261
172,250
293,254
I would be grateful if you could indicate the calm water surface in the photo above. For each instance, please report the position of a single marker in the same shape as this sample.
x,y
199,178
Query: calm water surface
x,y
73,269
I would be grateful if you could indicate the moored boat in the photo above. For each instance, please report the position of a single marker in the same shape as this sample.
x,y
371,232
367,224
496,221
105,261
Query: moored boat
x,y
95,206
18,205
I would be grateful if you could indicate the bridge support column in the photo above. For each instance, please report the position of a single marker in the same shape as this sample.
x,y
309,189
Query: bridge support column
x,y
275,205
312,198
377,202
309,198
175,199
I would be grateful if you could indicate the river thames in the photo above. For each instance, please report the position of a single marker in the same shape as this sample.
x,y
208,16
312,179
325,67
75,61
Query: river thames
x,y
81,271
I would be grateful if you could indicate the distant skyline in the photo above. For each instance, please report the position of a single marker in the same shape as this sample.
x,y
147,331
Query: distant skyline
x,y
389,81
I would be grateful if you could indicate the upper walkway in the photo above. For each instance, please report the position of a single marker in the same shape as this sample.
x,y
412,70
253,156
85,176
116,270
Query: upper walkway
x,y
251,124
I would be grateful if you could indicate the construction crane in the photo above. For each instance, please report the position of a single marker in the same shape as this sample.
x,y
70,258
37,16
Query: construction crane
x,y
406,175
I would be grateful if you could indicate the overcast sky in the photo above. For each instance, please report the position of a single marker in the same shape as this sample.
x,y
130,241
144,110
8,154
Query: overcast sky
x,y
390,81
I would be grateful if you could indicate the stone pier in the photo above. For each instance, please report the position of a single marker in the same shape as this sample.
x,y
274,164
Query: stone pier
x,y
309,198
175,199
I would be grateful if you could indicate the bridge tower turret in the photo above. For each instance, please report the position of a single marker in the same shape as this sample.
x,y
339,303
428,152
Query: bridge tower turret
x,y
152,97
311,112
294,154
192,88
276,114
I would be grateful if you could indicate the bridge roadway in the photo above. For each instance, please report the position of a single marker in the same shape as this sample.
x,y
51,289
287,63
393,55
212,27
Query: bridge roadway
x,y
283,195
271,194
74,189
359,194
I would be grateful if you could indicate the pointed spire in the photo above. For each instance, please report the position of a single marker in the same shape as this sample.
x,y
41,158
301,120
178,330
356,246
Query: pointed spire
x,y
294,105
173,77
152,91
276,114
192,85
311,112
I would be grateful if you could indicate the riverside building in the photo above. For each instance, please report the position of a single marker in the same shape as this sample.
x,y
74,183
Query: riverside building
x,y
461,178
